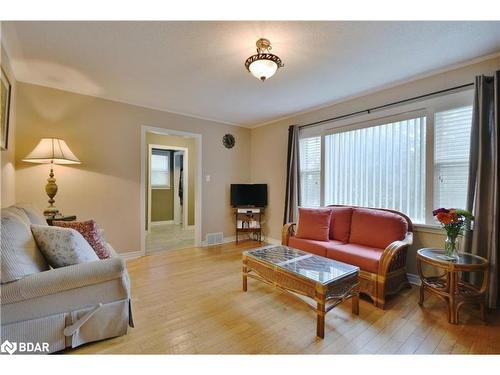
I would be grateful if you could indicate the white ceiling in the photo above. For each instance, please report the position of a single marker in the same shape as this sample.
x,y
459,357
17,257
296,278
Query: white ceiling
x,y
197,68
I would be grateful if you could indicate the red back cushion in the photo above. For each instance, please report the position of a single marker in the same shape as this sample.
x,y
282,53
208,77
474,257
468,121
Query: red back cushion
x,y
376,228
340,224
314,223
89,231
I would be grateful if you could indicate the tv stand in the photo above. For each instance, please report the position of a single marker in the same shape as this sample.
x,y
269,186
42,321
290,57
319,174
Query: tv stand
x,y
249,220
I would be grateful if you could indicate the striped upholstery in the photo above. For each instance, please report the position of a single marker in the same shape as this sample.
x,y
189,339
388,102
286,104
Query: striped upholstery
x,y
35,216
65,278
42,303
20,255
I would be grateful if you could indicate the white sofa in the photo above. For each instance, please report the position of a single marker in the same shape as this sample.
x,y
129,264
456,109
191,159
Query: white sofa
x,y
64,307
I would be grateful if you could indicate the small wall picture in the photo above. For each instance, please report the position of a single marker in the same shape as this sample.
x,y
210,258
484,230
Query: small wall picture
x,y
5,89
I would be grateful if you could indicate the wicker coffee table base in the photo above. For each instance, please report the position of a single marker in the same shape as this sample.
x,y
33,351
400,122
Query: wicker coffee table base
x,y
326,297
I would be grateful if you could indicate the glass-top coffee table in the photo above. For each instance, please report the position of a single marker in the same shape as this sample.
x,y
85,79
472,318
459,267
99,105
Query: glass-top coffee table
x,y
327,282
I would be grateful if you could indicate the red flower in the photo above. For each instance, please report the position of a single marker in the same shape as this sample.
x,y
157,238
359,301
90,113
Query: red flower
x,y
446,218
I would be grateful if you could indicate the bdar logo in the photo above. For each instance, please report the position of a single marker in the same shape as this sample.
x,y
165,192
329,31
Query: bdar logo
x,y
8,347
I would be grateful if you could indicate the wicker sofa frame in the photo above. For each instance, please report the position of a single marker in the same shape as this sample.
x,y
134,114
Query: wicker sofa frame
x,y
391,276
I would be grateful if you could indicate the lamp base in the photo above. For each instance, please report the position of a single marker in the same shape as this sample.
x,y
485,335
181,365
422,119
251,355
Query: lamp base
x,y
51,190
51,211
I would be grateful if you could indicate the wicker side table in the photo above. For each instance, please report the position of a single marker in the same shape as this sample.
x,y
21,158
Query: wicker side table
x,y
448,286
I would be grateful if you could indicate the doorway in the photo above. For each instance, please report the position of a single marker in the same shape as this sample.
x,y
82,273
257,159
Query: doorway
x,y
170,175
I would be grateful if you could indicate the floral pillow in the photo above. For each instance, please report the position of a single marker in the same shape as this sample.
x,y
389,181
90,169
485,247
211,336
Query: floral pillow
x,y
90,231
62,246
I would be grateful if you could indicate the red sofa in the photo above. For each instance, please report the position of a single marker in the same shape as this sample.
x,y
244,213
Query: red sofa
x,y
375,240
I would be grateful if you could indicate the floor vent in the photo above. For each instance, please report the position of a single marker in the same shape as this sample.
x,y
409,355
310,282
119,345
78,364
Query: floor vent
x,y
214,238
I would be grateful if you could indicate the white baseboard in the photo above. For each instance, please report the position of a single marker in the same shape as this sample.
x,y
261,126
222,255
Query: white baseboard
x,y
132,255
224,241
230,239
414,279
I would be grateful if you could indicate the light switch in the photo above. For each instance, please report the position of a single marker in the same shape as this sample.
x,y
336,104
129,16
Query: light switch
x,y
207,178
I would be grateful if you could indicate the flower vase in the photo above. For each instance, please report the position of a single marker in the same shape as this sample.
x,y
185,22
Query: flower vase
x,y
451,247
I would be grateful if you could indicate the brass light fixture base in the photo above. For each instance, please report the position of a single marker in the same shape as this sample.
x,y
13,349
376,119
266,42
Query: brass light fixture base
x,y
51,190
263,45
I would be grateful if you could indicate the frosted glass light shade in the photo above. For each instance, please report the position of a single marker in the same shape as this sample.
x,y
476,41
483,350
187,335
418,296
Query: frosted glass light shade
x,y
52,150
263,69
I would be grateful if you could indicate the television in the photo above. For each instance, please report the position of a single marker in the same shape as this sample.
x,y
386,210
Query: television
x,y
249,195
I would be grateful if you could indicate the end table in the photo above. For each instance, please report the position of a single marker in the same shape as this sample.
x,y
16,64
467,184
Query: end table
x,y
50,219
448,286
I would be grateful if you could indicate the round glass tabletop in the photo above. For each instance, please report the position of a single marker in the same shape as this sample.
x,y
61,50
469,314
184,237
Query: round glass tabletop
x,y
463,258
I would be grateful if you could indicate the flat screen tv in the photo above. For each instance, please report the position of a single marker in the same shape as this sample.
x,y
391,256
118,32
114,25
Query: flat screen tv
x,y
249,195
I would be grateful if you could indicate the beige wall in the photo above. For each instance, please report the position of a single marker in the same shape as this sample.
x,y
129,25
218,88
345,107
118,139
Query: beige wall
x,y
269,142
105,135
7,177
190,144
162,205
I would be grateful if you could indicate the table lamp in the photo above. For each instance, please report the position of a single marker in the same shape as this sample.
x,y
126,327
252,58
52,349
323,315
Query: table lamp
x,y
51,151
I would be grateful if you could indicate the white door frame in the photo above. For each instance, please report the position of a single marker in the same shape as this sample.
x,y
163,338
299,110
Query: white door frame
x,y
184,181
197,185
177,172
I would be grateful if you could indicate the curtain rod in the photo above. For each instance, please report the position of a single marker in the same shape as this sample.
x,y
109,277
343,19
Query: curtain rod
x,y
369,110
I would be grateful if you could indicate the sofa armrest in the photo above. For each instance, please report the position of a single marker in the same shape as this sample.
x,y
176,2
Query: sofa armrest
x,y
394,255
65,278
287,231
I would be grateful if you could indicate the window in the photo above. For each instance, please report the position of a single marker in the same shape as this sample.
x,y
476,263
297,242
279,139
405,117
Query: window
x,y
310,171
451,156
160,169
407,163
379,166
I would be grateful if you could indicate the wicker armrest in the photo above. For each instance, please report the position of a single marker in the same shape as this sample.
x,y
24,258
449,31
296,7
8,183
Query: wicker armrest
x,y
394,254
287,231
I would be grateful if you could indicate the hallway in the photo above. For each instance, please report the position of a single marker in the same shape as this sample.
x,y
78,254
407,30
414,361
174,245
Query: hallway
x,y
168,237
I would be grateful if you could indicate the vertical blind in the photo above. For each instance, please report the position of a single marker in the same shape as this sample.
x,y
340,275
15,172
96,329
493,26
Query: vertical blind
x,y
451,157
310,171
378,166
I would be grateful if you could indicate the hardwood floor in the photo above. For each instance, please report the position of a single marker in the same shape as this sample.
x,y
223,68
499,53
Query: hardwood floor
x,y
190,301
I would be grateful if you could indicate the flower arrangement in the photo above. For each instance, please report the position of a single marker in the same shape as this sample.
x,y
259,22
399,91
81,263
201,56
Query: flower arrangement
x,y
453,221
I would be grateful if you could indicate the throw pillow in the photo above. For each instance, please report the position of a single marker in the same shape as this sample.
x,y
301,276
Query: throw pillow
x,y
314,223
340,225
90,231
19,255
62,246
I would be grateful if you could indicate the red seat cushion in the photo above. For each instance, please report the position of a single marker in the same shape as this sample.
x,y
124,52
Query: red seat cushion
x,y
364,257
312,246
340,224
375,228
314,223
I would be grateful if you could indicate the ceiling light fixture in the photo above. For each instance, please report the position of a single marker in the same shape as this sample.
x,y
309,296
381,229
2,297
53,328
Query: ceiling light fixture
x,y
264,64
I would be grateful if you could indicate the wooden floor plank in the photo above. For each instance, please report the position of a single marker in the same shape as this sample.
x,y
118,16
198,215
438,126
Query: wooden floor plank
x,y
190,301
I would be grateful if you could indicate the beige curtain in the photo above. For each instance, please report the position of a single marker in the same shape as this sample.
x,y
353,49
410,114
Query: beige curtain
x,y
483,197
292,176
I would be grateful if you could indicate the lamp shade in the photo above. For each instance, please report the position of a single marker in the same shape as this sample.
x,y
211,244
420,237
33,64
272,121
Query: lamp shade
x,y
263,69
52,150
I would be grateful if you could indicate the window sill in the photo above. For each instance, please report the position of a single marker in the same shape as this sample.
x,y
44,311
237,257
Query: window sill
x,y
428,228
160,188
